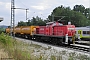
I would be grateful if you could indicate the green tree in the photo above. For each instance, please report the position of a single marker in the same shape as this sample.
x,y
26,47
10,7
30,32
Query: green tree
x,y
75,17
59,12
83,10
87,13
29,23
37,21
78,19
41,23
33,21
79,8
21,23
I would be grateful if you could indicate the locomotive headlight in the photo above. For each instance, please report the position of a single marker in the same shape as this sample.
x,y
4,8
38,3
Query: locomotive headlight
x,y
69,23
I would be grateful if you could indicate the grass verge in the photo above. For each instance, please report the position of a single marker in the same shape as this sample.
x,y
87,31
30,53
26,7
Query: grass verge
x,y
19,50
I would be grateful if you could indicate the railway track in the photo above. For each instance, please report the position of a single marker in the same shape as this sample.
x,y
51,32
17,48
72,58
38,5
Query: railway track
x,y
74,47
77,47
81,48
81,42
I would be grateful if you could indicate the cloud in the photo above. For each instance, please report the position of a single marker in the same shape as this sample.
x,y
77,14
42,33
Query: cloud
x,y
1,3
41,6
38,7
79,2
5,5
8,6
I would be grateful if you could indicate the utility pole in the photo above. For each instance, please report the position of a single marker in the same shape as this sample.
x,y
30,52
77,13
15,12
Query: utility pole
x,y
89,27
52,18
26,13
13,17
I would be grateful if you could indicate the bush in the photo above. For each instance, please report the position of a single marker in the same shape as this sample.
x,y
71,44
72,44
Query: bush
x,y
5,39
2,30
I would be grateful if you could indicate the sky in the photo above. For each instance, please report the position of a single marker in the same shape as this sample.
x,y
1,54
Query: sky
x,y
41,8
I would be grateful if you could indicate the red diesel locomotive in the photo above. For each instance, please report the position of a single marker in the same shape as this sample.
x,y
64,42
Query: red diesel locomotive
x,y
56,33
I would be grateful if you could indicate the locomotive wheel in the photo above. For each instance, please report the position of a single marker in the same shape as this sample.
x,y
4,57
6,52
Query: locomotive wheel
x,y
70,41
59,41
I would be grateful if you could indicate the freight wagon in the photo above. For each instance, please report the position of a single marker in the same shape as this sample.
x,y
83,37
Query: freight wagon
x,y
28,31
7,30
23,31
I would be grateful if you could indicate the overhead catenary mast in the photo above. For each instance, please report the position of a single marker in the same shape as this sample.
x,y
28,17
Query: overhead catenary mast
x,y
13,17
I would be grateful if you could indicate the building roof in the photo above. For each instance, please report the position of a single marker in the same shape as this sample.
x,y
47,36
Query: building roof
x,y
1,19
